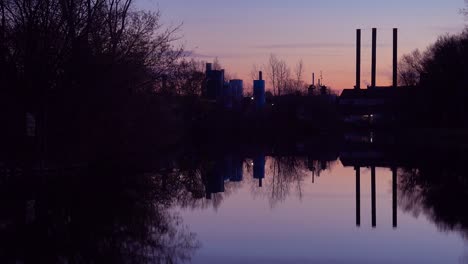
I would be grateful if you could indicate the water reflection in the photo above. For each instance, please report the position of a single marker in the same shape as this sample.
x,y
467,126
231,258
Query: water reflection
x,y
438,191
276,178
111,213
90,215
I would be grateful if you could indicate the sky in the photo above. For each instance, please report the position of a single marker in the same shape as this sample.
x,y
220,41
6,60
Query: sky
x,y
322,33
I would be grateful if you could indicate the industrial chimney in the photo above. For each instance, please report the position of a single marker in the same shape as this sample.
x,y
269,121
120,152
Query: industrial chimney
x,y
395,57
374,57
358,59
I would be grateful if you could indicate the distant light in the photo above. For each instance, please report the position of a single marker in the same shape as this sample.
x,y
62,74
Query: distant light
x,y
251,98
272,104
252,164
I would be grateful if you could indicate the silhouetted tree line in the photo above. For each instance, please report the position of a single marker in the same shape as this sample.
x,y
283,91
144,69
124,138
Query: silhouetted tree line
x,y
285,80
86,70
441,73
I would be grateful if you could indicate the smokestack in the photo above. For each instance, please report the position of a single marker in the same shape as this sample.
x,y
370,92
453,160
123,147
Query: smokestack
x,y
394,198
260,75
395,57
313,79
374,222
374,56
358,195
358,59
208,67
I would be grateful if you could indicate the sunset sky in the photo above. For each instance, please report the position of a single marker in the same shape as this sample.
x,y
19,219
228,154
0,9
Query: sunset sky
x,y
245,32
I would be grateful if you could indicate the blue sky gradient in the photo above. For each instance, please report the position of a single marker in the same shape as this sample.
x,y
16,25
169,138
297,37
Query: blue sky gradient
x,y
242,33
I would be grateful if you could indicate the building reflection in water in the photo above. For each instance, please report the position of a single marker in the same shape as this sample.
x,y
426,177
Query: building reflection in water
x,y
49,216
230,169
259,168
357,170
394,197
374,213
358,195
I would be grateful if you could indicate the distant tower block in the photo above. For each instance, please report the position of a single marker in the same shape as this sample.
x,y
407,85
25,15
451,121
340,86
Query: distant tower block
x,y
226,96
237,90
259,91
214,83
220,92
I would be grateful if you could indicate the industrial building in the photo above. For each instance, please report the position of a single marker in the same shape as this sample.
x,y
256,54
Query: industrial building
x,y
376,103
227,94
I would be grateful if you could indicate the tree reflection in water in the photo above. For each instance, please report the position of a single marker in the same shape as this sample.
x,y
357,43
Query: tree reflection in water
x,y
103,214
439,192
283,177
112,214
206,182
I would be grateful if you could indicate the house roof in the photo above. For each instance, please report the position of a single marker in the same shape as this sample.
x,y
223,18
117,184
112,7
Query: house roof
x,y
377,93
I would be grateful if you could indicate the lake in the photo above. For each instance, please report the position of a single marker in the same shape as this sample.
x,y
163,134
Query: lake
x,y
305,204
308,211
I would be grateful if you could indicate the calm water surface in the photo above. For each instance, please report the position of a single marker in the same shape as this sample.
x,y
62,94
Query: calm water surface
x,y
305,211
330,207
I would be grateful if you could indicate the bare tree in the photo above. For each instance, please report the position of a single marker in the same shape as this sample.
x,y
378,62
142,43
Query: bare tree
x,y
273,72
80,57
464,11
216,64
254,72
284,75
410,68
285,176
279,74
186,78
298,72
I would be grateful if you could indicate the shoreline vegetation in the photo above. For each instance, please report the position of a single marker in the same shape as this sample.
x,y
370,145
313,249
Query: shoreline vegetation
x,y
96,78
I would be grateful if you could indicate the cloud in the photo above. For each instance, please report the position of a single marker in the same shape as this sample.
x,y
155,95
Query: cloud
x,y
304,45
313,45
220,55
193,54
